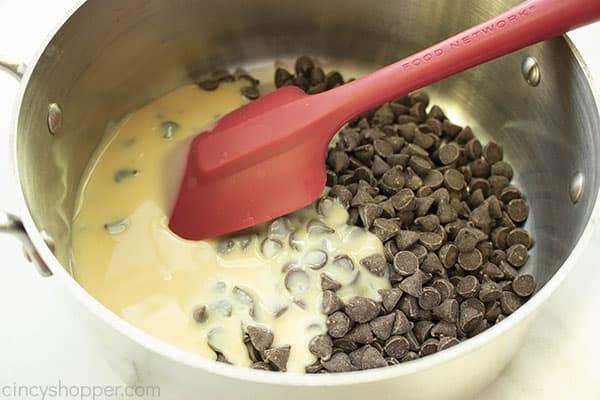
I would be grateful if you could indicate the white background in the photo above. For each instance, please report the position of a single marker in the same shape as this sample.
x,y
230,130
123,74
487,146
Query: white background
x,y
42,344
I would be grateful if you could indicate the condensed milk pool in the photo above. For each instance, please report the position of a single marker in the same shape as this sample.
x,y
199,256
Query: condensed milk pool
x,y
202,296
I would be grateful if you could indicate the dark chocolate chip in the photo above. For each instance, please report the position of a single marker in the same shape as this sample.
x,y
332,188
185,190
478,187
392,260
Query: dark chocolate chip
x,y
261,338
413,285
401,323
490,291
510,302
278,357
328,283
492,152
524,285
405,263
396,346
430,346
361,309
517,255
468,286
361,334
470,260
448,310
331,303
250,92
338,324
339,362
430,298
517,210
382,326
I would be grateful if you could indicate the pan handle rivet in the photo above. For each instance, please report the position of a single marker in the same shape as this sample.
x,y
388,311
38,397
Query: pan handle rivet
x,y
576,189
530,69
55,117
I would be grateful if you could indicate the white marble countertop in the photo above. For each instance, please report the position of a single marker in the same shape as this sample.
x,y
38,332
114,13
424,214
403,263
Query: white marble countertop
x,y
41,344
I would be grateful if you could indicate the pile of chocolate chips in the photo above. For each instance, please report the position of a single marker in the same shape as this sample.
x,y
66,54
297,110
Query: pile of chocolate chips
x,y
449,219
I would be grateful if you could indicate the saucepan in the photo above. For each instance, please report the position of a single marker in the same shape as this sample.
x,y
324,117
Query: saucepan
x,y
109,57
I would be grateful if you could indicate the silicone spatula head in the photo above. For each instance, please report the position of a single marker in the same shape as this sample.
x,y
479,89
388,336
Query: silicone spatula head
x,y
252,168
267,158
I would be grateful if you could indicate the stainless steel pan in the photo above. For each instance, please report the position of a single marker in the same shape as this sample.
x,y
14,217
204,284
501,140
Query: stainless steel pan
x,y
110,56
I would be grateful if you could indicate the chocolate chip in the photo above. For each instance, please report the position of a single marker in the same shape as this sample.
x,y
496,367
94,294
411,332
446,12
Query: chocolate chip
x,y
510,302
427,223
420,251
209,84
480,168
328,283
403,200
431,240
446,342
367,357
524,285
261,338
469,319
430,346
331,303
448,255
261,365
338,160
339,362
361,309
449,153
333,79
393,179
389,298
517,255
278,357
384,115
282,77
375,264
443,329
432,264
316,227
200,314
361,334
517,210
444,287
492,152
401,323
470,260
467,239
344,344
250,92
448,310
368,213
396,346
518,236
338,324
492,271
500,237
510,193
382,326
379,166
314,368
468,286
490,291
385,229
430,298
405,263
344,262
413,285
422,330
454,180
497,184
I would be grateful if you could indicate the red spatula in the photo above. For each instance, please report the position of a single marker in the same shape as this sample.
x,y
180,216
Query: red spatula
x,y
267,158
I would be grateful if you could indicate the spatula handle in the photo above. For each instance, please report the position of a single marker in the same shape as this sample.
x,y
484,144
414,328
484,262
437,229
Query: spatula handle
x,y
528,23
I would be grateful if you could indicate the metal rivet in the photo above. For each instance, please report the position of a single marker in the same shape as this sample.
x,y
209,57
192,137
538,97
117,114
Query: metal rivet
x,y
531,71
576,187
55,117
